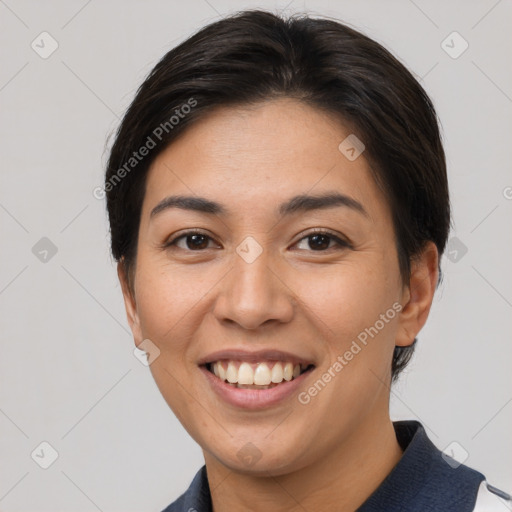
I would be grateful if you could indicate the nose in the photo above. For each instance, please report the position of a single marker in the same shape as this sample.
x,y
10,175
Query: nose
x,y
253,294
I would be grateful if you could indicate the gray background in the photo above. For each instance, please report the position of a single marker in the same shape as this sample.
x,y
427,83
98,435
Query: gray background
x,y
68,373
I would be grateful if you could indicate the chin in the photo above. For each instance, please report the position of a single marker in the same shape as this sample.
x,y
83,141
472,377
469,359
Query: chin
x,y
261,457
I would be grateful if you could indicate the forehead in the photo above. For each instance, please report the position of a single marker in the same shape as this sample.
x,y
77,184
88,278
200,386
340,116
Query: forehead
x,y
259,156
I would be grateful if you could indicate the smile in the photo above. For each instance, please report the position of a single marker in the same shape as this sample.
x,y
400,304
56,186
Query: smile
x,y
243,393
262,375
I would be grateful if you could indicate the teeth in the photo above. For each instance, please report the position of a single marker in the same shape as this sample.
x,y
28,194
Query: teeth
x,y
277,373
245,374
232,373
260,374
288,371
220,369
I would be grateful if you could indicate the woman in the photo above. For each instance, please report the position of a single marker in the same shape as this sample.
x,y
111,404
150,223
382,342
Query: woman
x,y
278,203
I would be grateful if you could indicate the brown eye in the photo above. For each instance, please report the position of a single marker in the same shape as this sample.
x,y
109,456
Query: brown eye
x,y
191,241
321,241
195,242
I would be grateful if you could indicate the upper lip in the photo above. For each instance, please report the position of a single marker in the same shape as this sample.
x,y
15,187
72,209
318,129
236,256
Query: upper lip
x,y
254,356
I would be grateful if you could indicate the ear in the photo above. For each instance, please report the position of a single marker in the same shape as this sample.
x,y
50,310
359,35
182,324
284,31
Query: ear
x,y
129,304
417,297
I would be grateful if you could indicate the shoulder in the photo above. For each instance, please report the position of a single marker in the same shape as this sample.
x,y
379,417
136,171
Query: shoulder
x,y
444,481
196,498
428,479
491,499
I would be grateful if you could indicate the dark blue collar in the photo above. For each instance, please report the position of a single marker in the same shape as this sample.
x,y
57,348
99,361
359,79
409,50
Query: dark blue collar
x,y
422,480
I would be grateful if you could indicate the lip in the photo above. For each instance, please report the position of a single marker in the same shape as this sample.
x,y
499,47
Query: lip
x,y
254,357
254,399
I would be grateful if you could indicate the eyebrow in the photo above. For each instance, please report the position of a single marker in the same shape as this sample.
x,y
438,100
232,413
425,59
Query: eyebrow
x,y
300,203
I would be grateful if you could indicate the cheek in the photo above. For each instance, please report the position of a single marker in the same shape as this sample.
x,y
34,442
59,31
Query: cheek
x,y
166,298
348,305
348,298
352,309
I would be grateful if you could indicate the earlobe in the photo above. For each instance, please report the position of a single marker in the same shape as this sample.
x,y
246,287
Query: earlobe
x,y
129,303
418,295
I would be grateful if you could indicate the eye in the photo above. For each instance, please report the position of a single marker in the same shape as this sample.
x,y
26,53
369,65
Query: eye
x,y
320,241
192,241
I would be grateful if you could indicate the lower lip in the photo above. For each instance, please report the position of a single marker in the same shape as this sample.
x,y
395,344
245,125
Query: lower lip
x,y
254,398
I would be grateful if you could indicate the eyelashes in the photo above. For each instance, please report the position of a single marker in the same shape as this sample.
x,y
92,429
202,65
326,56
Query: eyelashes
x,y
201,241
173,242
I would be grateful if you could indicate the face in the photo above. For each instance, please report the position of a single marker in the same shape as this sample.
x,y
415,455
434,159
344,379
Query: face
x,y
252,275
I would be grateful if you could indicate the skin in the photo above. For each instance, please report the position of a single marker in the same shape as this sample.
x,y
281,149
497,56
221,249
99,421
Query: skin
x,y
335,451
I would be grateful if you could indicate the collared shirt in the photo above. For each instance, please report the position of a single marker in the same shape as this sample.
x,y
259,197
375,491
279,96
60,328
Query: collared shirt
x,y
424,480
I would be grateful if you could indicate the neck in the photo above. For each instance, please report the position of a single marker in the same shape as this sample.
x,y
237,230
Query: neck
x,y
341,480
